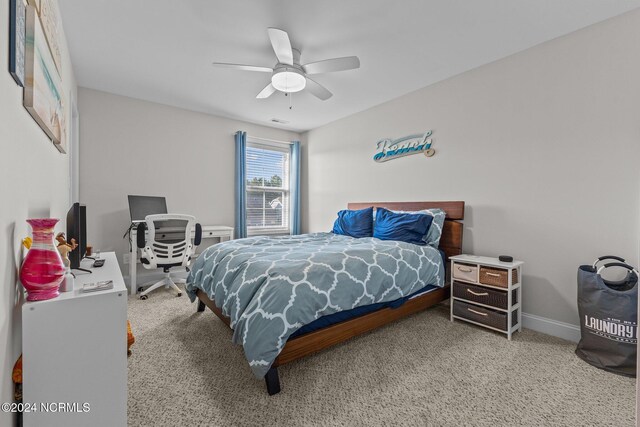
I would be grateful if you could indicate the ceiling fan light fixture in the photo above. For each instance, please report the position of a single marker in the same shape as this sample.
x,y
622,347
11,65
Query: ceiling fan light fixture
x,y
288,80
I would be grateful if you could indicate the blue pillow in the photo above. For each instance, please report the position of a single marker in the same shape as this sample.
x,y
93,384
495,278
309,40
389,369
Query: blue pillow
x,y
354,223
405,227
432,237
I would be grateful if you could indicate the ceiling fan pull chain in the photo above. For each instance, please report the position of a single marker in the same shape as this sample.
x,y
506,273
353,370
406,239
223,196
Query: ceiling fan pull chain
x,y
291,101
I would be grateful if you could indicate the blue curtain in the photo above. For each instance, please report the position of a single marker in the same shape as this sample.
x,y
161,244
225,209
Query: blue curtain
x,y
295,187
241,185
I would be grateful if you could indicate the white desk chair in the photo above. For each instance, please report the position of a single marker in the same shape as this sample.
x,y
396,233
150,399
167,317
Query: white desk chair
x,y
173,249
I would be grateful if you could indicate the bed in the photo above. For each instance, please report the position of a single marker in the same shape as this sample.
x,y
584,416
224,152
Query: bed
x,y
287,297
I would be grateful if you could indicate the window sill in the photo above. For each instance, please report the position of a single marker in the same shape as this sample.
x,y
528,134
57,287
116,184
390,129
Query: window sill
x,y
268,232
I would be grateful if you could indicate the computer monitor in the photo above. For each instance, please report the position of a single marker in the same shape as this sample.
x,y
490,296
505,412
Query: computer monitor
x,y
141,206
77,229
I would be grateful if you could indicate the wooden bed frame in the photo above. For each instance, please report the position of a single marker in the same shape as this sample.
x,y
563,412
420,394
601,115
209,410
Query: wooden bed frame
x,y
303,345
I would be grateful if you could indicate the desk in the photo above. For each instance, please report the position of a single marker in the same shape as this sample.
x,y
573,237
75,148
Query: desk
x,y
75,351
220,232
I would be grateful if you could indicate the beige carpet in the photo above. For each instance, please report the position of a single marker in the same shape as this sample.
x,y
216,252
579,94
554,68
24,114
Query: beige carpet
x,y
423,370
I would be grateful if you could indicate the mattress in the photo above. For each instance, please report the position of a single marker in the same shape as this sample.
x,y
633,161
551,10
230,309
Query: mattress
x,y
343,316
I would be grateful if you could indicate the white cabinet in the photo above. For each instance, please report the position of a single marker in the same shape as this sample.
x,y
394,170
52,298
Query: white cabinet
x,y
75,354
487,292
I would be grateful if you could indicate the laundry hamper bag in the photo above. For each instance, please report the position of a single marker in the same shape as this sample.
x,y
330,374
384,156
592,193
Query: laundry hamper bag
x,y
608,317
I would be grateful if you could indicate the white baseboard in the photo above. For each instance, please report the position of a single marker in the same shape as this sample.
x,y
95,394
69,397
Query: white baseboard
x,y
558,329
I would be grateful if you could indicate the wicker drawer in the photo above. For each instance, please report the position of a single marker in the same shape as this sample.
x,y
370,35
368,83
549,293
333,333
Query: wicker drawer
x,y
466,272
484,316
497,276
487,296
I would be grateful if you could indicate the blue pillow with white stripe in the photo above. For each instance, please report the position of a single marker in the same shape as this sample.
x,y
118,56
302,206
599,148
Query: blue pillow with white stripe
x,y
354,223
435,231
432,238
404,227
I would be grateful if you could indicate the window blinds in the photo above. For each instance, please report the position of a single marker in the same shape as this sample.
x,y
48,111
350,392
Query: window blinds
x,y
268,184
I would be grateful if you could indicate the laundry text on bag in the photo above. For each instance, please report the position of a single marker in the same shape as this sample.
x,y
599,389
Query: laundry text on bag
x,y
612,329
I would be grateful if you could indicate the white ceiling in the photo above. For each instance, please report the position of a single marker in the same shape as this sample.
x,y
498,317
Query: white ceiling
x,y
161,50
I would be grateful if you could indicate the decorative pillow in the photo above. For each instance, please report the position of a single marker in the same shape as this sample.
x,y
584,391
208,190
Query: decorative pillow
x,y
432,238
354,223
405,227
435,231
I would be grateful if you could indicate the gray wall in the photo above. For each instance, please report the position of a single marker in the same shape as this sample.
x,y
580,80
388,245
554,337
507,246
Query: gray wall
x,y
35,183
543,146
131,146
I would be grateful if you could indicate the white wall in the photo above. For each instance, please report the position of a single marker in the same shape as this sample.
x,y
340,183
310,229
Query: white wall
x,y
35,183
131,146
543,146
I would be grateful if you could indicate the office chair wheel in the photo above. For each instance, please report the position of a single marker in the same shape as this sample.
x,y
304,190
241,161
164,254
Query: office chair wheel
x,y
140,289
144,297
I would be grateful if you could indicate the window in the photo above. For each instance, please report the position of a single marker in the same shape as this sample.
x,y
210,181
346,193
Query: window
x,y
267,170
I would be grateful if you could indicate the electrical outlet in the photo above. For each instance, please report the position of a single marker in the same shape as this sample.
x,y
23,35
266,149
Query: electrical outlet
x,y
125,258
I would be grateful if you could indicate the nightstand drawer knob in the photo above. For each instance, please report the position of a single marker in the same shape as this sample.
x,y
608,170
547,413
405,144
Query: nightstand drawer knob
x,y
478,294
477,312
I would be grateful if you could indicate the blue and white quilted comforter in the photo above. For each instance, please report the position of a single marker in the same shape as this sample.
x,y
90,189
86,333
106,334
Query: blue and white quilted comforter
x,y
269,287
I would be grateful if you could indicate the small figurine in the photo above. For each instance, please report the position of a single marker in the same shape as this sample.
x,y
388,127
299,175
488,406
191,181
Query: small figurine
x,y
65,247
27,242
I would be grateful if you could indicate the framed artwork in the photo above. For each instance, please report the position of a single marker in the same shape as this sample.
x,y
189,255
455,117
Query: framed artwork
x,y
34,3
43,93
48,13
17,34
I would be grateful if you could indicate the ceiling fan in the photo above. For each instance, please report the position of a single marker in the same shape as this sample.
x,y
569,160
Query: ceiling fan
x,y
288,75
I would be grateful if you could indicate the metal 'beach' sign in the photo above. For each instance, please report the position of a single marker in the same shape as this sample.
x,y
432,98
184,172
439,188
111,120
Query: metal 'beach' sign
x,y
389,149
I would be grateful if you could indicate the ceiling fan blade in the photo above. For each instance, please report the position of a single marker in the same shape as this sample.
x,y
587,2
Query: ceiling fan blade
x,y
281,45
318,90
243,67
330,65
266,92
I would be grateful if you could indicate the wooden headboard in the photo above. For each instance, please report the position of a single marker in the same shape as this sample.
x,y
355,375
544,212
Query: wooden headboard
x,y
451,240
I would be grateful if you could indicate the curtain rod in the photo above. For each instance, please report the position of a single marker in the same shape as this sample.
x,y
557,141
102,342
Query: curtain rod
x,y
269,140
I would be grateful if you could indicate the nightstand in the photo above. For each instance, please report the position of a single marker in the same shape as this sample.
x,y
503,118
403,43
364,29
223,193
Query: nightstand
x,y
487,292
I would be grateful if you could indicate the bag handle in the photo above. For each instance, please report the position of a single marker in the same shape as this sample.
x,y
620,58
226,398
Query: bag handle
x,y
618,264
602,258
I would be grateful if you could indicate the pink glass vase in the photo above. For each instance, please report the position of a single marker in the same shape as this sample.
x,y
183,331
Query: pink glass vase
x,y
42,270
